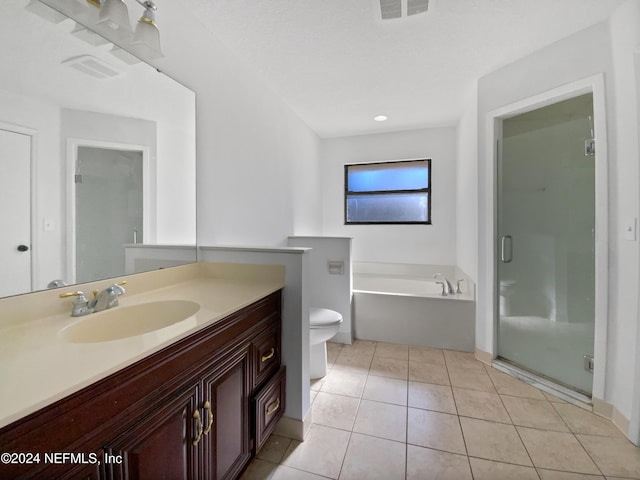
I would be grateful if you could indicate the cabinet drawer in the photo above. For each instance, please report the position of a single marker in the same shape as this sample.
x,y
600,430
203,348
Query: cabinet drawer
x,y
266,359
268,407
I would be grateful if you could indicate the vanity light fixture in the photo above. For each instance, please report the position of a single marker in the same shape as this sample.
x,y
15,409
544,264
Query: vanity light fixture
x,y
114,15
146,39
380,118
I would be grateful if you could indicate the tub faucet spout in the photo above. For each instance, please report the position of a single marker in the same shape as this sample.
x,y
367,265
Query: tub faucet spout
x,y
447,284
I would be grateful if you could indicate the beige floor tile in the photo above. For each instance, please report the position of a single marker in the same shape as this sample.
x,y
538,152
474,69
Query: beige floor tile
x,y
389,367
331,358
490,470
353,363
587,423
435,430
312,396
338,411
382,420
287,473
322,451
470,378
344,383
431,397
478,404
556,451
428,464
508,385
494,441
392,350
552,398
615,456
373,458
334,347
426,355
457,359
428,373
388,390
259,470
528,412
360,347
556,475
273,450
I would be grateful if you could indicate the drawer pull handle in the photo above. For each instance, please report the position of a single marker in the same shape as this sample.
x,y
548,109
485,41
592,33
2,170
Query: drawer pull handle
x,y
207,407
269,355
199,427
273,407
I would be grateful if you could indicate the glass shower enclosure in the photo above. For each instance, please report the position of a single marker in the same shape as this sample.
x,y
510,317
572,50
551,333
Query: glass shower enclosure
x,y
546,242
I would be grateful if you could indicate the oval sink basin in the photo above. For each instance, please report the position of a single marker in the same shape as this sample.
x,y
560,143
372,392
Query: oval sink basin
x,y
124,322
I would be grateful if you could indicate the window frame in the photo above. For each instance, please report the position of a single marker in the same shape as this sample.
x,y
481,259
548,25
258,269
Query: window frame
x,y
427,190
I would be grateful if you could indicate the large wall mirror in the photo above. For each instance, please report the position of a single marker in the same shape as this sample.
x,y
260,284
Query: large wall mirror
x,y
97,157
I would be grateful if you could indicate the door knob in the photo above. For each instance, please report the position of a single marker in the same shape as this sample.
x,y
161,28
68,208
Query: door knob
x,y
22,248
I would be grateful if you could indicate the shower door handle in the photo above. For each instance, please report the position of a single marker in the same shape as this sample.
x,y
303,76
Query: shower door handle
x,y
503,249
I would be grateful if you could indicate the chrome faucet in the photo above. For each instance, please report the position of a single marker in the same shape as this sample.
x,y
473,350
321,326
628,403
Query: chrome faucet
x,y
447,288
107,298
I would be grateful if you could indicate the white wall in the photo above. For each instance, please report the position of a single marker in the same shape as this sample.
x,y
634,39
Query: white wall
x,y
579,56
256,158
426,244
467,188
48,171
330,290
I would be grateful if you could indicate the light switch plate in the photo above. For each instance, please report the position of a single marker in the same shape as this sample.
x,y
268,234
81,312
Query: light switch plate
x,y
630,227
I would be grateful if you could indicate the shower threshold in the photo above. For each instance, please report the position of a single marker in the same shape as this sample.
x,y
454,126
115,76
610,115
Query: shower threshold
x,y
545,384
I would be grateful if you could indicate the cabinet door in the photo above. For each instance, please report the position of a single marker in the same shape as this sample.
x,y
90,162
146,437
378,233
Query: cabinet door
x,y
227,389
161,446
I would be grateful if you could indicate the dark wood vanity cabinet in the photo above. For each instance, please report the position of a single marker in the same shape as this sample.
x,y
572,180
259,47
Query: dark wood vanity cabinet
x,y
198,409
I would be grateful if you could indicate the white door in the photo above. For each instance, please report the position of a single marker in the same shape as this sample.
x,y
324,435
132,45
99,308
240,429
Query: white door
x,y
15,213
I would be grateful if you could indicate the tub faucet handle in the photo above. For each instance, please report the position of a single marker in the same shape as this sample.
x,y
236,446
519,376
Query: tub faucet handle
x,y
458,285
444,288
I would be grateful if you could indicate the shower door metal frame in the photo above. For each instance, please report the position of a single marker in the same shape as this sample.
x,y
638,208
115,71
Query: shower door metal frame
x,y
494,119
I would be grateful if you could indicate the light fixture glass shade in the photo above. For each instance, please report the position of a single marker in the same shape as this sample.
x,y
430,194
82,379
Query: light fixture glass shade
x,y
114,15
146,39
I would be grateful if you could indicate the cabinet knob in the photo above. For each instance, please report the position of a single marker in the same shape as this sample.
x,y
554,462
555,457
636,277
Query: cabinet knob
x,y
269,355
199,427
273,407
207,407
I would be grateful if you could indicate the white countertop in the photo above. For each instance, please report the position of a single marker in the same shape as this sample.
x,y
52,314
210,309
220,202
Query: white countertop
x,y
39,367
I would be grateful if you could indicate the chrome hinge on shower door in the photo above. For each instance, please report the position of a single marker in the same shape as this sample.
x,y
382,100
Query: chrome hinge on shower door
x,y
588,363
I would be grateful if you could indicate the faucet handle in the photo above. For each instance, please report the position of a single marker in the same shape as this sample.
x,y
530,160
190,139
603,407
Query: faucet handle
x,y
78,294
80,304
458,285
444,288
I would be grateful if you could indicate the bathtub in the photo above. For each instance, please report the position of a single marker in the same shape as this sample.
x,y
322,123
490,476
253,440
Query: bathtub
x,y
411,310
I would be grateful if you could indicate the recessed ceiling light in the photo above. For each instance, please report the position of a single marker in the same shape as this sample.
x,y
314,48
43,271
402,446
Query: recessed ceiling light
x,y
380,118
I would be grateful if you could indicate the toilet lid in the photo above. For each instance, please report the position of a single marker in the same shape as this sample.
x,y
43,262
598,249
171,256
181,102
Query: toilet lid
x,y
323,317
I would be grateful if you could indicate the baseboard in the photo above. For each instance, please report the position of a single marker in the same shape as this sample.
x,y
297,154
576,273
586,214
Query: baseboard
x,y
602,408
620,421
293,428
484,357
342,337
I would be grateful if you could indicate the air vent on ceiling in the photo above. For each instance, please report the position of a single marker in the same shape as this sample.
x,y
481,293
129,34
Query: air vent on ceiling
x,y
92,66
390,9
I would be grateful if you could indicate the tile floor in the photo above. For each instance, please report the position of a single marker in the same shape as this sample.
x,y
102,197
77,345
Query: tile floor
x,y
387,411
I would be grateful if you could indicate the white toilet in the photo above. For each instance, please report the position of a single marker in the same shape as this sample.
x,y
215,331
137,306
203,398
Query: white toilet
x,y
506,290
323,325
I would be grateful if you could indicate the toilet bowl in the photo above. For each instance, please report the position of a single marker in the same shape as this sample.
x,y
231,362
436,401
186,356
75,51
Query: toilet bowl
x,y
323,325
506,290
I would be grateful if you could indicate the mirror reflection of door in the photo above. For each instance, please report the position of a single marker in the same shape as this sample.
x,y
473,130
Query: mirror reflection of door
x,y
15,213
109,209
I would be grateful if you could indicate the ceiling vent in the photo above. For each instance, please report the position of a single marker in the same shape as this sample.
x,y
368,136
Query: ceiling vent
x,y
391,9
92,66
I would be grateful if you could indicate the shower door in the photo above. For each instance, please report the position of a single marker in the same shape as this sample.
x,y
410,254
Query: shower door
x,y
546,242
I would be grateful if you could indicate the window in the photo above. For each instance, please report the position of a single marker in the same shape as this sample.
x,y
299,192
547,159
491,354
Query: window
x,y
388,193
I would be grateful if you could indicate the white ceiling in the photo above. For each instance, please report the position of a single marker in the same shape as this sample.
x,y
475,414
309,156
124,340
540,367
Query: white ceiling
x,y
337,65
